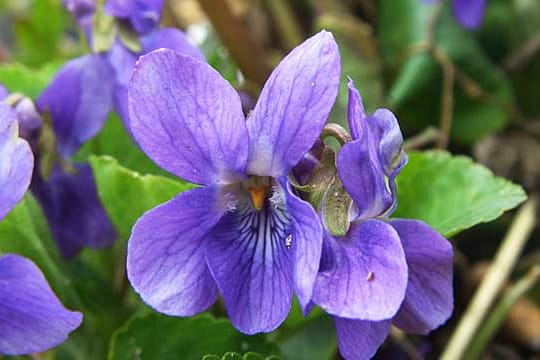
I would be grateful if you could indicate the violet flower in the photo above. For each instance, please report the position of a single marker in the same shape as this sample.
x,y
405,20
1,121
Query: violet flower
x,y
382,272
244,233
85,89
32,319
468,13
69,199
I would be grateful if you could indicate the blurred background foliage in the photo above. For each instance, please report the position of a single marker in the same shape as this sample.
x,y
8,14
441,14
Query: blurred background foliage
x,y
474,93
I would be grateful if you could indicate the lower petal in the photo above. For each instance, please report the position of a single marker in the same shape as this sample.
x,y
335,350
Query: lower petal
x,y
72,207
364,274
32,319
469,13
358,339
429,300
250,259
306,244
165,259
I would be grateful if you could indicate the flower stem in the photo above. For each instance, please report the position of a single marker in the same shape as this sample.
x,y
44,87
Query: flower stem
x,y
336,131
505,259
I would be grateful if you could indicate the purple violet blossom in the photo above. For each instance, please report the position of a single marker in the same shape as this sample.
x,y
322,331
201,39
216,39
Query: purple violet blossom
x,y
468,13
32,319
382,272
69,199
85,89
244,233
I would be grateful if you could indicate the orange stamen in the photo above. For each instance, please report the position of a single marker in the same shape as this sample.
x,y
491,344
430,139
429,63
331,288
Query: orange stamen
x,y
258,194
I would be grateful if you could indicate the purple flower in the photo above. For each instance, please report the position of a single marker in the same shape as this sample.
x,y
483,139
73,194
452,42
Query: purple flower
x,y
469,13
244,232
69,199
85,89
32,319
383,271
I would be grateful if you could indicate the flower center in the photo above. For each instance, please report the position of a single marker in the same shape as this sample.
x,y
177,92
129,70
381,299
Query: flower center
x,y
258,188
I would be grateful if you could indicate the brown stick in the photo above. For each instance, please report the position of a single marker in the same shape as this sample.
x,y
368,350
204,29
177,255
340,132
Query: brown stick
x,y
235,36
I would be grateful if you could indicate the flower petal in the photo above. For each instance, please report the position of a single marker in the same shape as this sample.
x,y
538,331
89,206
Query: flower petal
x,y
187,118
469,13
16,161
3,92
294,106
170,38
72,207
78,100
144,15
359,339
248,256
429,299
165,260
374,155
32,319
306,244
364,274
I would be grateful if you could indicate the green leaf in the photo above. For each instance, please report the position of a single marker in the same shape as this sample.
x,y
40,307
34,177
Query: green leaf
x,y
452,193
237,356
416,92
126,194
315,339
155,336
19,78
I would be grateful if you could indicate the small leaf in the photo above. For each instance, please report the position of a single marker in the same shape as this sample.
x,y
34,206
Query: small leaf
x,y
126,194
336,208
155,336
452,193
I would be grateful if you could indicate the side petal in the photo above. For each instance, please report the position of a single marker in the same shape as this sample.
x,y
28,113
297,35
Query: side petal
x,y
187,118
429,300
165,257
306,244
359,339
16,161
469,13
249,258
78,100
294,106
364,274
32,319
73,210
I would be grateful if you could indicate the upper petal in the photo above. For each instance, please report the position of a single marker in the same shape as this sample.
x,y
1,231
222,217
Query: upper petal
x,y
469,13
165,258
170,38
16,161
78,100
429,300
144,15
250,258
32,319
294,106
359,339
306,244
373,160
364,274
73,210
187,118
